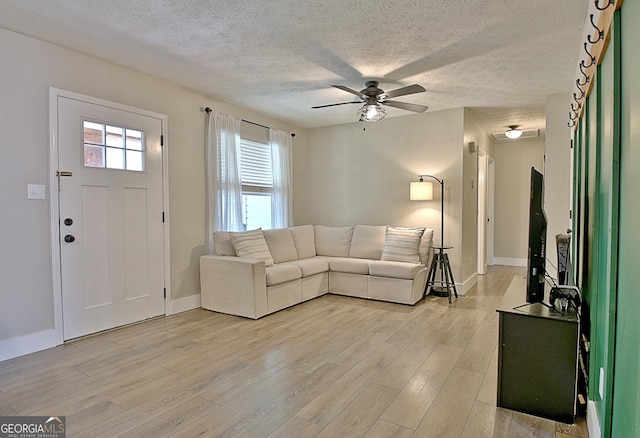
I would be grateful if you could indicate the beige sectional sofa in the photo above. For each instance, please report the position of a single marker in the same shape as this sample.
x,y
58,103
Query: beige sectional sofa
x,y
259,272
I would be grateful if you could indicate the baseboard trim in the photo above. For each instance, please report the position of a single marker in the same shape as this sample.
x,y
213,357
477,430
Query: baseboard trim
x,y
467,284
186,303
507,261
593,424
27,344
31,343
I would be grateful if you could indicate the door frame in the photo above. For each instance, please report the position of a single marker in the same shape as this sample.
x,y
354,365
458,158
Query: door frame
x,y
491,193
482,212
486,190
54,150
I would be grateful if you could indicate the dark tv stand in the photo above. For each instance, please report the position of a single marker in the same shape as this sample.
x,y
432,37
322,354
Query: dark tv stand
x,y
537,356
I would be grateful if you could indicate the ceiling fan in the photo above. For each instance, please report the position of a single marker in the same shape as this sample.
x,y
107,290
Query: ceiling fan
x,y
373,97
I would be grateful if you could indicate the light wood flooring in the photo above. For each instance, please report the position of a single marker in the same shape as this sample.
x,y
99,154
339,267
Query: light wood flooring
x,y
331,367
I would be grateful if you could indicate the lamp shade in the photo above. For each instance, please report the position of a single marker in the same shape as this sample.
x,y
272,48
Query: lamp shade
x,y
371,112
421,191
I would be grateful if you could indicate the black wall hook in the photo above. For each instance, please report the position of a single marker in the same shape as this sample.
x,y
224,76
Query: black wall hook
x,y
611,2
599,32
579,85
591,57
576,109
586,77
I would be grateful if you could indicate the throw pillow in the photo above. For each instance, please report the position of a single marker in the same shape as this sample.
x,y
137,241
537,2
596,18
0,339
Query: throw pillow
x,y
252,244
402,244
425,246
222,244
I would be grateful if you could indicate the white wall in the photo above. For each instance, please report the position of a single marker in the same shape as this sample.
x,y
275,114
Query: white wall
x,y
551,156
513,162
362,177
28,69
557,174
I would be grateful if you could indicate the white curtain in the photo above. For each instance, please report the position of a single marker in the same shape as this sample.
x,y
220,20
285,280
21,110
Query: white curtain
x,y
282,201
224,191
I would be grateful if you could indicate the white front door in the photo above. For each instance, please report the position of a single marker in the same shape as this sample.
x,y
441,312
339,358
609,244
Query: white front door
x,y
111,216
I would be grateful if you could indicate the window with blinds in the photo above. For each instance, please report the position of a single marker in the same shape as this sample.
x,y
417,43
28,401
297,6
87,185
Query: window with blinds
x,y
256,177
256,173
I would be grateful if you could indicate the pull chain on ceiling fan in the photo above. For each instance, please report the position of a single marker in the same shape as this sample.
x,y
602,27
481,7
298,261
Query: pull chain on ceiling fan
x,y
374,97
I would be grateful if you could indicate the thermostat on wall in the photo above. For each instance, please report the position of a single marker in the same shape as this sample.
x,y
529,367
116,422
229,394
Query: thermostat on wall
x,y
35,191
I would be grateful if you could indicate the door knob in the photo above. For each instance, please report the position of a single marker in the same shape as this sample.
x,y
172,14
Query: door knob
x,y
69,238
68,221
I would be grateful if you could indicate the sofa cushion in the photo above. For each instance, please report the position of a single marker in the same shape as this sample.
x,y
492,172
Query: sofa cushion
x,y
402,244
251,244
311,266
305,241
367,242
333,241
425,246
349,265
222,245
404,270
281,246
281,273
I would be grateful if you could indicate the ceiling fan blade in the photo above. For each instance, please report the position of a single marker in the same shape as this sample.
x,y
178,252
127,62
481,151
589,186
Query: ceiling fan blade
x,y
334,104
405,106
350,90
410,89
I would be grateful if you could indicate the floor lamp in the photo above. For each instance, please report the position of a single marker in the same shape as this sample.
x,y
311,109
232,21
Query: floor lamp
x,y
423,191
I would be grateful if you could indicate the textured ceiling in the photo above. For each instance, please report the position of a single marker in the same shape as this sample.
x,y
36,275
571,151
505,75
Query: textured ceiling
x,y
500,58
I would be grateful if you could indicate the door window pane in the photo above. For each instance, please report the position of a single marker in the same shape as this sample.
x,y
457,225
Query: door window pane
x,y
114,137
93,156
115,158
134,139
93,133
113,147
134,160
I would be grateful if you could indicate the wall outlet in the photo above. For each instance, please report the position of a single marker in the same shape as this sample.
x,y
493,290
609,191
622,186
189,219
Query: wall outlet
x,y
601,384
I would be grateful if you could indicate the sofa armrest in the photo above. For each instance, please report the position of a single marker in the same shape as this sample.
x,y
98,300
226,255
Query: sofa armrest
x,y
234,285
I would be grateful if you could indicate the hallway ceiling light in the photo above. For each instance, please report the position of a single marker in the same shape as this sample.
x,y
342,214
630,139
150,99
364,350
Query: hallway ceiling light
x,y
513,132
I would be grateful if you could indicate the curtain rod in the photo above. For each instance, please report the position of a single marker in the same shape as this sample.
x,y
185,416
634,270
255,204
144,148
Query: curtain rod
x,y
208,110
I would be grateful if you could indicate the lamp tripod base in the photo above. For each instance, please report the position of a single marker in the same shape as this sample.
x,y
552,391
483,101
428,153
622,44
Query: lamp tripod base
x,y
440,291
446,285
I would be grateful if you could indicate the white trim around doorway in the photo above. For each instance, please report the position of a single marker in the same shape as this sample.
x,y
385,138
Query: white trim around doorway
x,y
54,95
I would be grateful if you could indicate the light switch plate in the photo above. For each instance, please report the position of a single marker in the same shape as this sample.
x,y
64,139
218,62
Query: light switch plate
x,y
35,191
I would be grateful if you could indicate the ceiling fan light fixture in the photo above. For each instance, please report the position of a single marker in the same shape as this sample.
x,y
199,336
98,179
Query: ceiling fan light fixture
x,y
371,112
513,132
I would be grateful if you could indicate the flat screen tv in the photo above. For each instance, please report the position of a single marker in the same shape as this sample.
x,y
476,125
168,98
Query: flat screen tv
x,y
536,259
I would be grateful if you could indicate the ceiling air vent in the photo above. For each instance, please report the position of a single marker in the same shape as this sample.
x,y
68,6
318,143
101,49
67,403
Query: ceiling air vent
x,y
527,134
